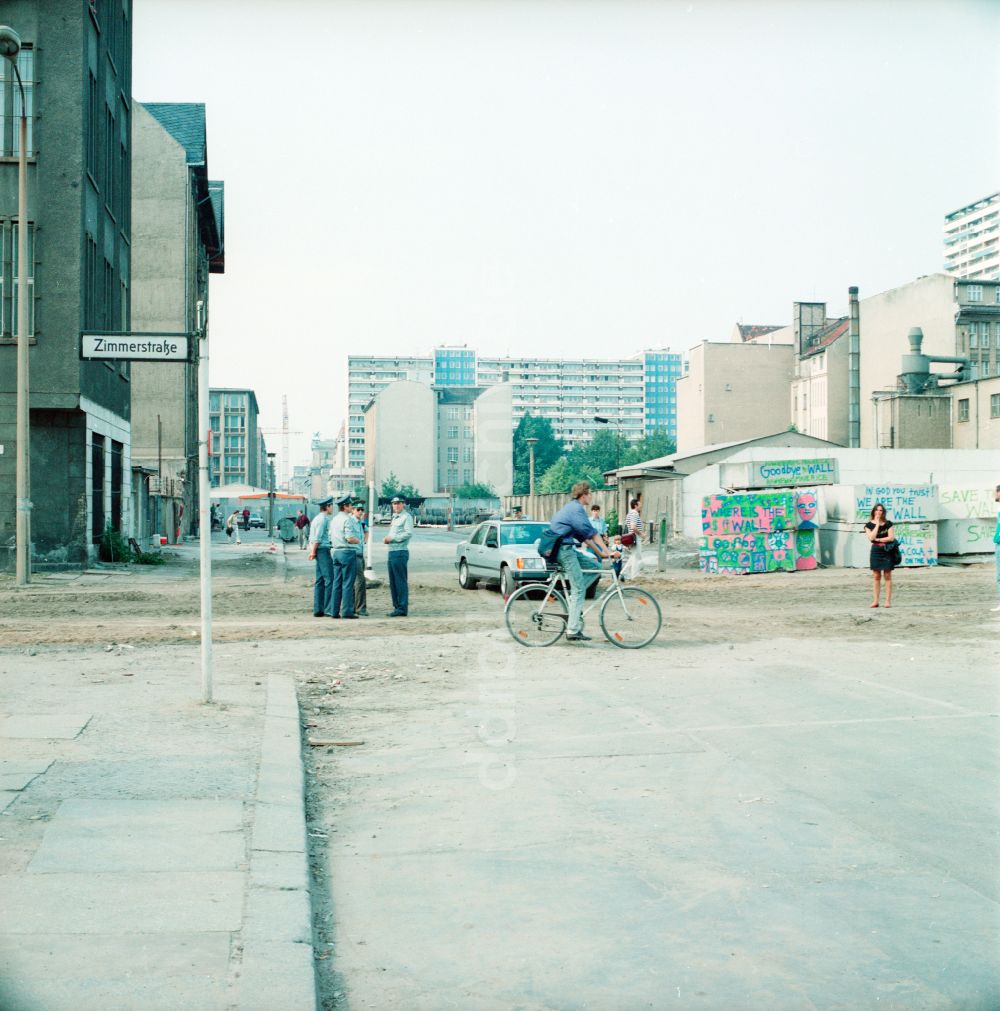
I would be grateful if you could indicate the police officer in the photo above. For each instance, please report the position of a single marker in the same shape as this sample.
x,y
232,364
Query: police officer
x,y
398,539
345,535
319,551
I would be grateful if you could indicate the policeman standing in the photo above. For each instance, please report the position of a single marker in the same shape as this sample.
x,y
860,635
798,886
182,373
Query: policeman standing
x,y
360,586
345,534
319,551
398,539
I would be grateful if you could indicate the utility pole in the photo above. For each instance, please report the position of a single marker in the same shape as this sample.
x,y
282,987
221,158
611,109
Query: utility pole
x,y
204,504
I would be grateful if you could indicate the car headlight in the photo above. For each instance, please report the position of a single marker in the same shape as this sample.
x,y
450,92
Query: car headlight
x,y
536,564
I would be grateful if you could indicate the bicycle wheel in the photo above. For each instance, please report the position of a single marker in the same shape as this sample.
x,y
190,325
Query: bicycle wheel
x,y
630,617
536,615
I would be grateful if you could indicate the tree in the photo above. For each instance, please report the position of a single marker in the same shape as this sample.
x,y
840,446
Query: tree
x,y
548,450
391,487
558,478
650,447
604,451
478,490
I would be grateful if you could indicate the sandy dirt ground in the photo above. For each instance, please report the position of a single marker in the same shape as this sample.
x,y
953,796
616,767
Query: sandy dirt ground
x,y
261,596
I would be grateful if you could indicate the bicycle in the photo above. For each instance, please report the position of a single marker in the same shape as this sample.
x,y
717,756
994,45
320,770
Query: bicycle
x,y
537,613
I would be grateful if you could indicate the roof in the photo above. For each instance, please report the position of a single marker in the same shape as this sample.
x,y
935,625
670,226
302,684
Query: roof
x,y
185,122
217,203
825,336
681,462
750,330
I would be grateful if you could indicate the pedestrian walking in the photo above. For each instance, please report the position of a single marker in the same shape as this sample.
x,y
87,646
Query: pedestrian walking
x,y
996,545
883,538
246,517
632,539
345,534
360,586
233,526
319,551
398,539
302,528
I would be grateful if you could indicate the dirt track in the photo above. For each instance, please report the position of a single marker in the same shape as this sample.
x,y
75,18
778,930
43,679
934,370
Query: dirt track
x,y
259,598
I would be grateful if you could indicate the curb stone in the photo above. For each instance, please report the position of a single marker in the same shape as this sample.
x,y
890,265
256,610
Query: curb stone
x,y
277,968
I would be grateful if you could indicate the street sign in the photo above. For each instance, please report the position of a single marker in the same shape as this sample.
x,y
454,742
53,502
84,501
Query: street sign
x,y
136,347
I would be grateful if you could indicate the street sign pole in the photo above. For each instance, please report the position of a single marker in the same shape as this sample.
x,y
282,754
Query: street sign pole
x,y
204,508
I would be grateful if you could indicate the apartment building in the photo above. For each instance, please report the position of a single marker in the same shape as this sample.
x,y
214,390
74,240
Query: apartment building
x,y
177,242
637,394
239,452
75,63
437,439
972,240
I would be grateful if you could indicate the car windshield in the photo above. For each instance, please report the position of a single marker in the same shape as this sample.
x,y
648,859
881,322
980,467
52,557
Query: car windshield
x,y
520,533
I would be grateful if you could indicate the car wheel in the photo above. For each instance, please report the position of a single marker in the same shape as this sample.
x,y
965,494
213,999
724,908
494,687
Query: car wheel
x,y
507,582
464,579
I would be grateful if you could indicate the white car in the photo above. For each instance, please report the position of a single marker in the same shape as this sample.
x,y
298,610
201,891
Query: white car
x,y
506,552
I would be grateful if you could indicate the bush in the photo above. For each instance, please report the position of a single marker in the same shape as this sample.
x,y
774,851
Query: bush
x,y
113,547
613,525
149,557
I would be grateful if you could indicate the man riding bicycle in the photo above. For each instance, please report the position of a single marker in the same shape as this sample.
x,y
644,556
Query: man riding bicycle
x,y
570,524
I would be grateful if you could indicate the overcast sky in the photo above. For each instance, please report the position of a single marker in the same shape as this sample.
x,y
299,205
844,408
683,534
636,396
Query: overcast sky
x,y
562,177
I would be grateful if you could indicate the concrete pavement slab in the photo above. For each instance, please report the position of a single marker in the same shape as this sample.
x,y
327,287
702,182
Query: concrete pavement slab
x,y
276,975
143,835
168,902
17,774
161,972
41,727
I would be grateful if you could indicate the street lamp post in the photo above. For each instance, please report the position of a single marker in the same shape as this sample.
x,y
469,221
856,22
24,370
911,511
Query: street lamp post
x,y
10,46
601,420
532,442
270,495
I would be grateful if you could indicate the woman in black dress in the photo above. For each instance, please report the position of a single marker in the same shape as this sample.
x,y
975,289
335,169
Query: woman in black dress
x,y
880,533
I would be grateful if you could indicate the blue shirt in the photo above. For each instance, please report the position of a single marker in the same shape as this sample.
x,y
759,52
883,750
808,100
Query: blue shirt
x,y
319,530
572,521
599,525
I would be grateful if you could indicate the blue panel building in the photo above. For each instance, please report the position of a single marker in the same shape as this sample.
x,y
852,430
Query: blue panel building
x,y
661,370
454,367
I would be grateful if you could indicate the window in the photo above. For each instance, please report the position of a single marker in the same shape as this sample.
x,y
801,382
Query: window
x,y
453,414
453,454
453,431
10,103
492,538
974,293
996,293
963,409
477,537
467,476
8,279
995,405
973,335
466,454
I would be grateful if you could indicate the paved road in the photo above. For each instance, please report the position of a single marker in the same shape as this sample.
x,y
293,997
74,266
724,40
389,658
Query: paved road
x,y
781,824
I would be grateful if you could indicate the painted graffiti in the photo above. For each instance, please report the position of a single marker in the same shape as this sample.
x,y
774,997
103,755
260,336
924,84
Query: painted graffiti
x,y
903,503
765,531
781,473
917,543
967,503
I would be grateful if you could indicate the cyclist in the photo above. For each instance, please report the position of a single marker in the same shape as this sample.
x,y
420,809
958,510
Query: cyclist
x,y
571,524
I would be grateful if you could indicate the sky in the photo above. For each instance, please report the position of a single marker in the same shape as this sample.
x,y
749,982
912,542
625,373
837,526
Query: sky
x,y
562,177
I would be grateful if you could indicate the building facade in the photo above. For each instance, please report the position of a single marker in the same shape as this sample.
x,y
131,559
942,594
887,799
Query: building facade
x,y
177,241
734,392
76,66
972,240
638,394
238,451
399,431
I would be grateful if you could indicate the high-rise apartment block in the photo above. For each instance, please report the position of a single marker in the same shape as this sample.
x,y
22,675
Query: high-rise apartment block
x,y
637,395
239,453
972,240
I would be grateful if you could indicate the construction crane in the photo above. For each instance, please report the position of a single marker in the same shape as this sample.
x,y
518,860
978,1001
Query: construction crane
x,y
284,432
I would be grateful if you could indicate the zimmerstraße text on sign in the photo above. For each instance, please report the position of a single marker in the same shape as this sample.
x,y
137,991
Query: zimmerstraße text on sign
x,y
137,347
